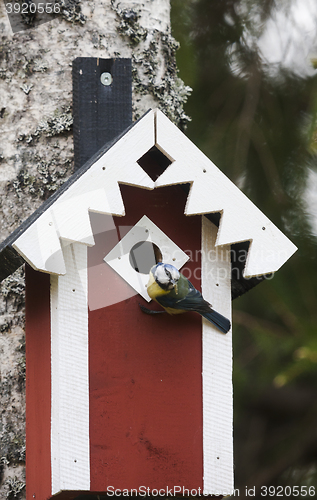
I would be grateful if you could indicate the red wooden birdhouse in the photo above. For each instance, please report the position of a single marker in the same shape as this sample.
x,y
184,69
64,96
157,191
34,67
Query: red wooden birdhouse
x,y
117,400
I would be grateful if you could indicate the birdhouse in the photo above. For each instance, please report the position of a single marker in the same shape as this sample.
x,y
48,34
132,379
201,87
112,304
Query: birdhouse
x,y
118,400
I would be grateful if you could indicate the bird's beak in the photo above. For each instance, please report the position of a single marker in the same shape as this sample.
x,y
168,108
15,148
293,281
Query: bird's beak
x,y
174,283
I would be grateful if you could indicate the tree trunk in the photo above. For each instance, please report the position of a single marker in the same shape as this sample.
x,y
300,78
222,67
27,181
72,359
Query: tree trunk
x,y
36,149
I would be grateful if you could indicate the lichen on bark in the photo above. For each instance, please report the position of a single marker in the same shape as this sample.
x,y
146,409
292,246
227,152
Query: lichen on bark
x,y
155,74
71,11
12,386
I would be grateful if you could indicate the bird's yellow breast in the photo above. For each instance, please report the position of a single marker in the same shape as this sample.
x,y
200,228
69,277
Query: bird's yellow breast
x,y
153,289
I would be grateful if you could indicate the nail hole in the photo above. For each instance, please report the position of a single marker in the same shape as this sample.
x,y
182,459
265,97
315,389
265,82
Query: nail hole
x,y
103,168
74,290
263,228
217,284
204,170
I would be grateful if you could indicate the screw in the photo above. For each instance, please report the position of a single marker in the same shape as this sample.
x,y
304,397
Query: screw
x,y
106,79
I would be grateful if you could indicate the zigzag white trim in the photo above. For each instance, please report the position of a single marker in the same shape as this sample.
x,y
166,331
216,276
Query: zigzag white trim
x,y
98,190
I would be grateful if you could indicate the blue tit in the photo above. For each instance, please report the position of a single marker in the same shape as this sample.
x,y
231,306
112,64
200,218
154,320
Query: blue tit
x,y
176,294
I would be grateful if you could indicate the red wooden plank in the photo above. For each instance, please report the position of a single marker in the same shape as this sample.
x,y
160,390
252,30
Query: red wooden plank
x,y
145,371
38,385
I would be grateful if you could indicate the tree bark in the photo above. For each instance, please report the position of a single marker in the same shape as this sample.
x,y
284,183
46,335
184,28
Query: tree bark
x,y
36,148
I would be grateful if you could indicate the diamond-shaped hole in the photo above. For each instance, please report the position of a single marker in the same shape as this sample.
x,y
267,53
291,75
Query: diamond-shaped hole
x,y
154,162
144,255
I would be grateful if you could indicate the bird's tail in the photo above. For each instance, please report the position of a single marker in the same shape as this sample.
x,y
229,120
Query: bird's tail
x,y
222,323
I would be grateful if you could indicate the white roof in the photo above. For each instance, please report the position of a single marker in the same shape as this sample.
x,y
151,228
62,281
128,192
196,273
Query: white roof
x,y
97,190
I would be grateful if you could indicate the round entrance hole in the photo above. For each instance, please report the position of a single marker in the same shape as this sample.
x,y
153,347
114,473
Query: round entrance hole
x,y
144,255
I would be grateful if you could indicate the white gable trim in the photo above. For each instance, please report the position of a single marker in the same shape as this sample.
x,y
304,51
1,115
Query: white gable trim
x,y
98,190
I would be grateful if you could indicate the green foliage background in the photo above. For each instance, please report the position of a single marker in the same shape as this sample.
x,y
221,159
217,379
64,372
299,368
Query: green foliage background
x,y
258,124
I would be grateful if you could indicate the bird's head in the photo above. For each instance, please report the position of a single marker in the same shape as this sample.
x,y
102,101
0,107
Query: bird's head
x,y
166,275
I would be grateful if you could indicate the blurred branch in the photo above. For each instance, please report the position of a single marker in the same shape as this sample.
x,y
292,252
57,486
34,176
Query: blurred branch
x,y
295,447
246,119
268,164
252,322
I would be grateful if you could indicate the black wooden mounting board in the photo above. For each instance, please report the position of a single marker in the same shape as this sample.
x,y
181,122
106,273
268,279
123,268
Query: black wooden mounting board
x,y
101,112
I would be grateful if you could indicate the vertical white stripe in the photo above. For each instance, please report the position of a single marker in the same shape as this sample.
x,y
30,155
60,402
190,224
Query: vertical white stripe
x,y
70,452
217,368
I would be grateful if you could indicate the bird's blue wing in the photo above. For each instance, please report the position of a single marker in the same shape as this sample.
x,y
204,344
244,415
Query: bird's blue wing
x,y
193,301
